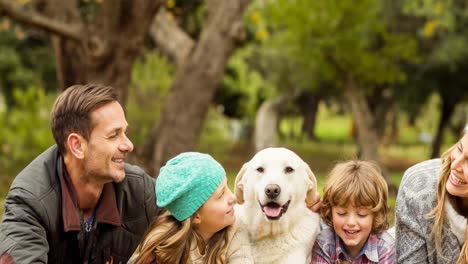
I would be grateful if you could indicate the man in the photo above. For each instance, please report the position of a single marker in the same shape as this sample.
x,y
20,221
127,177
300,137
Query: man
x,y
78,202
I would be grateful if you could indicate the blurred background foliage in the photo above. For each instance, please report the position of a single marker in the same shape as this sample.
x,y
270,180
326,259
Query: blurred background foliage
x,y
151,77
408,58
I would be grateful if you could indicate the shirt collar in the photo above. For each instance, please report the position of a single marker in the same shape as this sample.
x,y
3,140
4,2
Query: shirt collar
x,y
369,249
106,211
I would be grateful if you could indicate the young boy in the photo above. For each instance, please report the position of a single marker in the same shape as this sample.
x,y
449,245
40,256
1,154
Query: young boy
x,y
355,210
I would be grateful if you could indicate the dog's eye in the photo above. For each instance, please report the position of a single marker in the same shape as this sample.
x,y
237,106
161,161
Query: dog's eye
x,y
260,169
288,169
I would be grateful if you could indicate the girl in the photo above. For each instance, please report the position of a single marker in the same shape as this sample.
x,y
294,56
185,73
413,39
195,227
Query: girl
x,y
198,224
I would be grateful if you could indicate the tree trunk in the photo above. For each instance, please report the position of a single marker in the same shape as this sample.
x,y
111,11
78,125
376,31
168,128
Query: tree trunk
x,y
380,104
366,133
266,123
69,56
109,48
171,40
195,84
99,48
308,104
445,115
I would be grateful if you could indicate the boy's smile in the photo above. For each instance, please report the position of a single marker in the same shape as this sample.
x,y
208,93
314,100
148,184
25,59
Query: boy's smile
x,y
353,225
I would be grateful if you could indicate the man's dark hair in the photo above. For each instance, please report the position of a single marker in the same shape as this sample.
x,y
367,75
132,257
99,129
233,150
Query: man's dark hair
x,y
72,109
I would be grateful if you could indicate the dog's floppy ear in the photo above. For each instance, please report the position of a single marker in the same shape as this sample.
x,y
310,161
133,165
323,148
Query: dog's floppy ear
x,y
312,189
239,186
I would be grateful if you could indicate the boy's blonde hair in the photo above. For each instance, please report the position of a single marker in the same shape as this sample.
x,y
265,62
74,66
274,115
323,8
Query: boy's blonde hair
x,y
360,184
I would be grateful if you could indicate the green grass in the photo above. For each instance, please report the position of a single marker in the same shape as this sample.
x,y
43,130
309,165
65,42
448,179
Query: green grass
x,y
335,128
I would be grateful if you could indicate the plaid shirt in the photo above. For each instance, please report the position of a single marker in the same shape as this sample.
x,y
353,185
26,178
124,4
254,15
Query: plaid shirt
x,y
328,248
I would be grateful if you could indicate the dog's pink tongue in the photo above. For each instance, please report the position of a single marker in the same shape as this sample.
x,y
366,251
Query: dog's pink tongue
x,y
272,211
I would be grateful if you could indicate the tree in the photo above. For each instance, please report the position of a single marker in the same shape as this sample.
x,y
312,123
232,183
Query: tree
x,y
92,42
268,118
442,38
308,103
243,88
347,44
197,77
99,42
25,61
450,84
440,31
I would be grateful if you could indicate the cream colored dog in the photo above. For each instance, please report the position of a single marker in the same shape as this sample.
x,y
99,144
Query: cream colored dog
x,y
273,190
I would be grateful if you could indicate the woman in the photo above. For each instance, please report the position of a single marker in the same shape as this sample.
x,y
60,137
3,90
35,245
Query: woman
x,y
432,209
198,224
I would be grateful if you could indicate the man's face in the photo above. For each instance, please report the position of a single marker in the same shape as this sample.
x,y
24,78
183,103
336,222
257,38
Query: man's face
x,y
108,145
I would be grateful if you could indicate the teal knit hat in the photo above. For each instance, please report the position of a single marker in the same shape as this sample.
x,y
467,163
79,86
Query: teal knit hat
x,y
186,182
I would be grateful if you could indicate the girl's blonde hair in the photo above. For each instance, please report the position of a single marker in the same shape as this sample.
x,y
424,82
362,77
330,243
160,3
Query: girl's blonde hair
x,y
438,213
360,184
171,241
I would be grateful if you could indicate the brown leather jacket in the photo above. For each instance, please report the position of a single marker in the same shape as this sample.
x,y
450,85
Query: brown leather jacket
x,y
41,223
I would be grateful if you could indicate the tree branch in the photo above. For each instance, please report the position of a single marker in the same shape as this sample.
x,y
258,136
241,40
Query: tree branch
x,y
111,14
170,38
31,18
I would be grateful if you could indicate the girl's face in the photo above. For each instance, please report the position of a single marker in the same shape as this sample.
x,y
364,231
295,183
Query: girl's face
x,y
457,184
353,225
217,212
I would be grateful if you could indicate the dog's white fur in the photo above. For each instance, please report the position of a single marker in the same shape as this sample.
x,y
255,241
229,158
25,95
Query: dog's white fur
x,y
290,238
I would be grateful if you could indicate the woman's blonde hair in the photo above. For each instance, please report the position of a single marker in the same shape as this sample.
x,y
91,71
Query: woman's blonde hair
x,y
170,241
438,213
360,184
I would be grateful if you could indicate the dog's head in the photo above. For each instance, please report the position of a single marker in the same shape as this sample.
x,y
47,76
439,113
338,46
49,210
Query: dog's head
x,y
276,179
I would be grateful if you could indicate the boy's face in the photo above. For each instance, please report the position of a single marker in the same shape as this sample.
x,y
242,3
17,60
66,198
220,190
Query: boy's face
x,y
353,225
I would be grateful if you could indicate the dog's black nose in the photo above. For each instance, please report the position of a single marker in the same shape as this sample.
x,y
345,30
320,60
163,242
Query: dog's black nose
x,y
272,190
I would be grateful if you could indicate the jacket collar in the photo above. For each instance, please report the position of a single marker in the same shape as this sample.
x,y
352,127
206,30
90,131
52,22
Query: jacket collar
x,y
106,211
